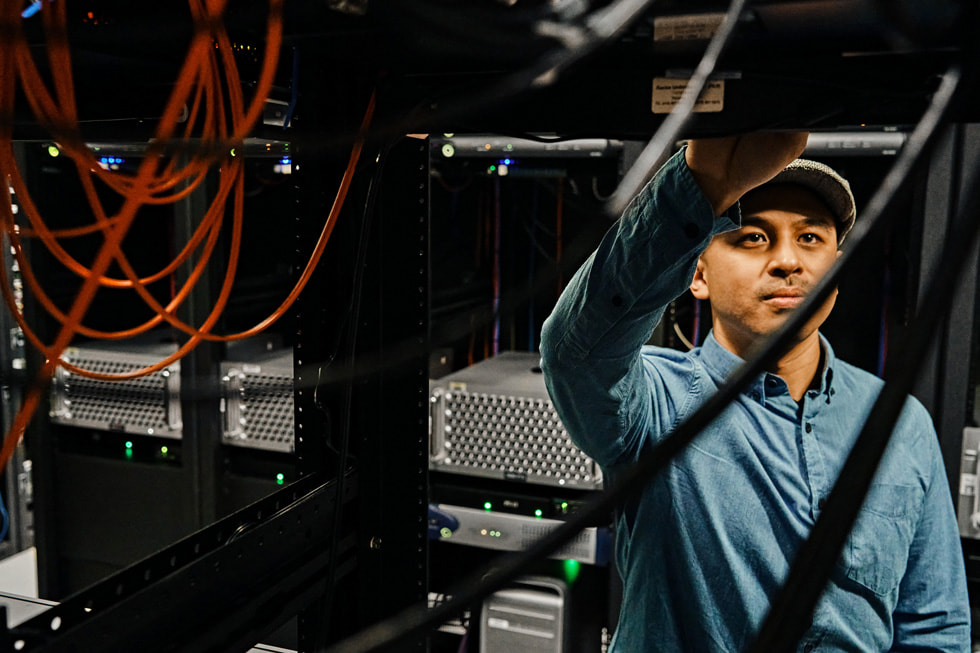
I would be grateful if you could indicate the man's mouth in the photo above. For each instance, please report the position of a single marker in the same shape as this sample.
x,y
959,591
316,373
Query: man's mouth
x,y
784,298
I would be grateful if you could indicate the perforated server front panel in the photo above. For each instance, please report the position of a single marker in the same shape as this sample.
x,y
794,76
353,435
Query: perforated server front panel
x,y
495,420
145,405
258,403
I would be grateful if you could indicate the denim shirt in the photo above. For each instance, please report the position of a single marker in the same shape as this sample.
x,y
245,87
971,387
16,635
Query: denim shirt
x,y
706,546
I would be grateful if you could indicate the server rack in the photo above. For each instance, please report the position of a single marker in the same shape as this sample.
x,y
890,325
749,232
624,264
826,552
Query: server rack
x,y
319,526
502,469
17,494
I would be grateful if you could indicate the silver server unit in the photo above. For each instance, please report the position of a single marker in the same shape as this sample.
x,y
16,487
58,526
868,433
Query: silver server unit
x,y
146,405
495,420
530,617
968,503
509,532
258,402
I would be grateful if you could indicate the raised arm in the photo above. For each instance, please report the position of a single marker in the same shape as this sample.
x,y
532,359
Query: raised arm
x,y
727,168
591,343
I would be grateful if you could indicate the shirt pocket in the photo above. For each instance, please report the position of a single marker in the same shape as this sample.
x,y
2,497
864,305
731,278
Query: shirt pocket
x,y
877,550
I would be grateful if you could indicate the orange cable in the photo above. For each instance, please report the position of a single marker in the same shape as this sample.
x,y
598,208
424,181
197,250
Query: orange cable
x,y
141,188
60,254
42,232
304,276
327,229
42,102
212,219
107,252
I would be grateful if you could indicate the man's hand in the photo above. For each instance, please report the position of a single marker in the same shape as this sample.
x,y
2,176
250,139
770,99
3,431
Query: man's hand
x,y
727,168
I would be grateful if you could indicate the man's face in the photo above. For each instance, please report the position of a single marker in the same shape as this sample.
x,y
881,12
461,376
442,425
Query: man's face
x,y
756,275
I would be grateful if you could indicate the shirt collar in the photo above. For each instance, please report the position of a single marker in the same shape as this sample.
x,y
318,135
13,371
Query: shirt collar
x,y
721,363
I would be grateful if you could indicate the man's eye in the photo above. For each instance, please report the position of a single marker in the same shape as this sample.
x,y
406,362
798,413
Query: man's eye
x,y
752,238
810,238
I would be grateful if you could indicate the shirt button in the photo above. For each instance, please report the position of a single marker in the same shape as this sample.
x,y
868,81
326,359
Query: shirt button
x,y
809,427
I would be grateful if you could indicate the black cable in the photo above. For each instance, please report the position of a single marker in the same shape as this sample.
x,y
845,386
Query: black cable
x,y
658,149
789,616
651,462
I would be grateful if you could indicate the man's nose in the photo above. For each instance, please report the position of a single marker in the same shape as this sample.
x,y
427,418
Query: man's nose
x,y
785,259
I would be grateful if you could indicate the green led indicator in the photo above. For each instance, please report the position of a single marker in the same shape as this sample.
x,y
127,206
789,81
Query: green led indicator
x,y
164,450
487,505
493,168
571,569
280,478
53,150
129,444
445,532
539,513
129,453
564,506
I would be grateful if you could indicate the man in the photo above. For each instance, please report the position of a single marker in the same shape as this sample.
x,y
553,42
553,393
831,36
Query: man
x,y
705,547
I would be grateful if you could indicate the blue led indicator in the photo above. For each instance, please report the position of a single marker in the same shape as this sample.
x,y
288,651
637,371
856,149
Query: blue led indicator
x,y
507,162
32,9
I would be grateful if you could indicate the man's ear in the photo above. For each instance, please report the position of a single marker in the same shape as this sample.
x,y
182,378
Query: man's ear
x,y
699,284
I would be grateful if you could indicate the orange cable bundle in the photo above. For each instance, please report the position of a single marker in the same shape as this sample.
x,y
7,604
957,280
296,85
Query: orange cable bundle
x,y
208,86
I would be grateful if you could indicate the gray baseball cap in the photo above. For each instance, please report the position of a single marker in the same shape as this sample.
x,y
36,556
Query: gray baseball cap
x,y
826,184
